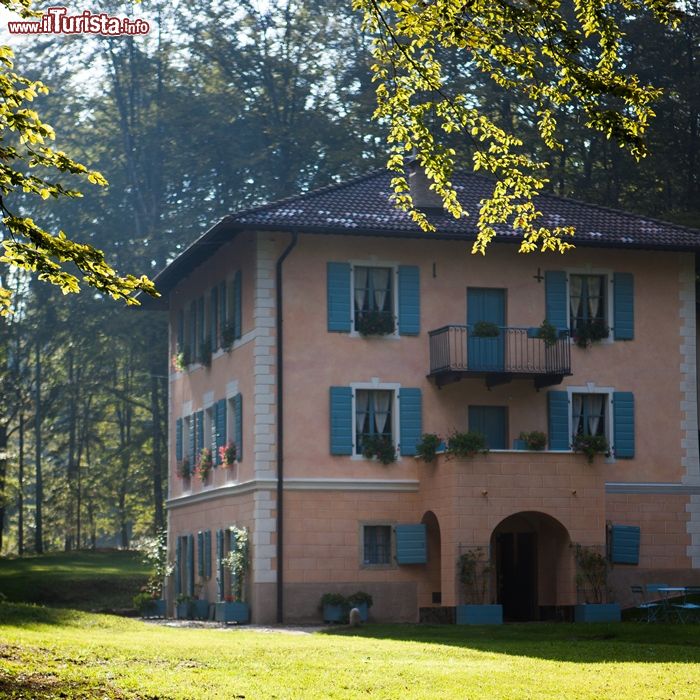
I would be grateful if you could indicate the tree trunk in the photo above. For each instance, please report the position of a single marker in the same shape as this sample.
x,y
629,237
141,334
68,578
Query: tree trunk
x,y
38,532
158,519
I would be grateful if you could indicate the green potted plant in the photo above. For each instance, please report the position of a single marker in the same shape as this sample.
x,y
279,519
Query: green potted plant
x,y
590,332
205,463
591,586
428,446
535,440
485,329
334,607
154,552
590,445
548,333
375,323
463,445
362,601
474,572
200,605
178,361
234,608
228,454
182,468
380,447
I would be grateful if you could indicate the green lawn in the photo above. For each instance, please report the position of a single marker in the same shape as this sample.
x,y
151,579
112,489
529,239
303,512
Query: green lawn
x,y
83,580
51,653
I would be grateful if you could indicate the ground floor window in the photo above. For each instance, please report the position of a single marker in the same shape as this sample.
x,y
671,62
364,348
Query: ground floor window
x,y
376,545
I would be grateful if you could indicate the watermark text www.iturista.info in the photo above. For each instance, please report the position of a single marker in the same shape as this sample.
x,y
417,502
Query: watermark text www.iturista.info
x,y
56,20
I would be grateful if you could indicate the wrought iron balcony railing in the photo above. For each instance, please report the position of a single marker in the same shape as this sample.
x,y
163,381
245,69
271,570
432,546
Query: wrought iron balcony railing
x,y
514,353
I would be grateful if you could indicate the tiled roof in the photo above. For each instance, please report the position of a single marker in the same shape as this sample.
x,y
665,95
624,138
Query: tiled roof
x,y
363,206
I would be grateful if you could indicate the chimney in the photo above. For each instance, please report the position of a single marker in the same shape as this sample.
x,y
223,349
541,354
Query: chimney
x,y
419,188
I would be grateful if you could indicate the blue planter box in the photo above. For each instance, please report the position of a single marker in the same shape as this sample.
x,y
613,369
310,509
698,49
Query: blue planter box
x,y
362,607
232,612
155,608
335,613
479,614
597,612
183,611
519,444
200,609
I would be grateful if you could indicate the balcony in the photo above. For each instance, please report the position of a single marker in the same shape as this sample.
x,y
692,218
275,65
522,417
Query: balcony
x,y
515,353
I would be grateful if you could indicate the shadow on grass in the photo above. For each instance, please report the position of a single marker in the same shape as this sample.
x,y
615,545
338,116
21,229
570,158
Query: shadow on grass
x,y
577,643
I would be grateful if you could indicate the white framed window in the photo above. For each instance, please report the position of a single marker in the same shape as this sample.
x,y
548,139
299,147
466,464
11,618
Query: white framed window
x,y
374,298
590,411
375,413
590,298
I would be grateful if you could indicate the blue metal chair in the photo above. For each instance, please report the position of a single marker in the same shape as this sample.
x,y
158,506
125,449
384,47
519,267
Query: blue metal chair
x,y
688,607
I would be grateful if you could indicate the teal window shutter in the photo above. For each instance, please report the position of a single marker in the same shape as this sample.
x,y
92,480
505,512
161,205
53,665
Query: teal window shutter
x,y
623,301
237,304
190,564
201,317
193,442
409,300
341,420
220,564
200,432
411,545
338,286
214,318
178,565
181,330
207,554
222,307
490,421
411,418
220,420
623,424
178,439
625,544
200,554
556,303
193,331
238,425
558,419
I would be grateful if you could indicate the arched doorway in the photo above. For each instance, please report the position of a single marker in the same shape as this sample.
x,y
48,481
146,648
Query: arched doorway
x,y
531,558
433,569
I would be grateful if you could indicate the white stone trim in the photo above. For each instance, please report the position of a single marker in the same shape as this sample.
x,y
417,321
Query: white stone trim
x,y
264,363
690,459
383,485
265,525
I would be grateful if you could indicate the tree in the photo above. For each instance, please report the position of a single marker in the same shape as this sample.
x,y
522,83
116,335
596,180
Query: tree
x,y
23,138
560,58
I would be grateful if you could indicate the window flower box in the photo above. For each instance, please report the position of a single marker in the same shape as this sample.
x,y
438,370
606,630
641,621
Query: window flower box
x,y
228,611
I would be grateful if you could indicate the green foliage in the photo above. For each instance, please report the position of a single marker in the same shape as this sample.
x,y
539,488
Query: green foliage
x,y
591,332
375,323
547,58
178,361
228,335
380,447
485,329
591,574
535,440
228,454
360,598
590,445
333,599
463,445
23,147
183,468
143,602
204,463
154,551
474,572
428,446
237,561
548,333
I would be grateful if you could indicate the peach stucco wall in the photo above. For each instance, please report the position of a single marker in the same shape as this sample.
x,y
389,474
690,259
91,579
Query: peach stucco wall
x,y
322,527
